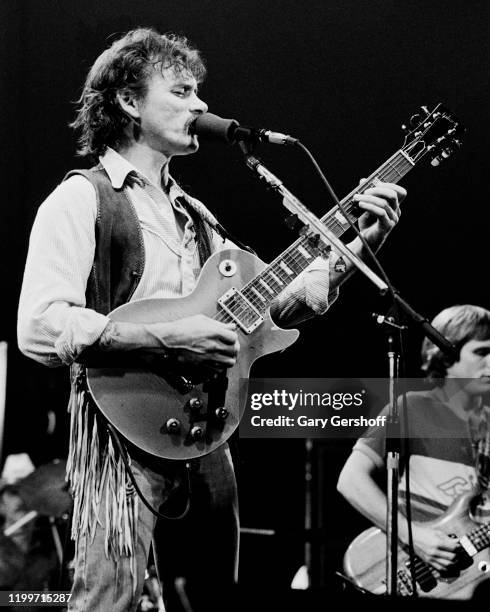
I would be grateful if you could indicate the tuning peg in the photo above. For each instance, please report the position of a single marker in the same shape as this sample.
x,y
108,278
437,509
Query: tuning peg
x,y
435,161
425,110
448,151
414,120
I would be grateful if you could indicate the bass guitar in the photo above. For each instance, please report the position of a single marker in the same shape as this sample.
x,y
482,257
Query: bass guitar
x,y
176,413
365,559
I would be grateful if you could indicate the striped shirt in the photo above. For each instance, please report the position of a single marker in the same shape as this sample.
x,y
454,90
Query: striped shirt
x,y
442,460
54,326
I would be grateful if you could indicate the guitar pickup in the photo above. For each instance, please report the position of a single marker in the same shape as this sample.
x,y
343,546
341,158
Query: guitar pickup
x,y
245,315
468,546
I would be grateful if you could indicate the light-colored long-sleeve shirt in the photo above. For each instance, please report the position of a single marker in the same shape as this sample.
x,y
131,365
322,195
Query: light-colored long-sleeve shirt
x,y
54,326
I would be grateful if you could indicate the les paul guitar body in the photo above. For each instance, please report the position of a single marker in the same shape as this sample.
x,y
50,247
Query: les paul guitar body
x,y
142,403
177,413
365,559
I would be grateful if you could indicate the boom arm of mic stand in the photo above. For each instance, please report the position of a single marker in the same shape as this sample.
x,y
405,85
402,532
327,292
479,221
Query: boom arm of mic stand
x,y
292,203
429,330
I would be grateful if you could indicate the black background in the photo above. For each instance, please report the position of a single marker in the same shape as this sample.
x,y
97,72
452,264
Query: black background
x,y
341,75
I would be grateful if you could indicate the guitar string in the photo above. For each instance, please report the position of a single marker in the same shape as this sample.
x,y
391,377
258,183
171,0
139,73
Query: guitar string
x,y
290,255
480,538
289,258
480,534
296,261
383,173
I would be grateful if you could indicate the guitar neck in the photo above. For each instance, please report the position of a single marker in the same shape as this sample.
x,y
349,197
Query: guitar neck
x,y
262,290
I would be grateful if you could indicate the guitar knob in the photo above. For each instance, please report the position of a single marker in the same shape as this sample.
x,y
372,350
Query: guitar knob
x,y
195,404
172,426
222,413
196,432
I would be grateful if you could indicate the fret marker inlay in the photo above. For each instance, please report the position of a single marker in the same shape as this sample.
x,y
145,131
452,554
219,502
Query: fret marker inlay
x,y
340,218
304,252
266,286
258,294
276,278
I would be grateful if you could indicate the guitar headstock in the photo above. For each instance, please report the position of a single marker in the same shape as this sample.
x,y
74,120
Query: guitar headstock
x,y
435,133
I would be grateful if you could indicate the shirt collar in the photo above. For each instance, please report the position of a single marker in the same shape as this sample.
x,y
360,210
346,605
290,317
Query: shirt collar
x,y
117,167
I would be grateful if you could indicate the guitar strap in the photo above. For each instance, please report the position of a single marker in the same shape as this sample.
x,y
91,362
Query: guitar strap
x,y
198,217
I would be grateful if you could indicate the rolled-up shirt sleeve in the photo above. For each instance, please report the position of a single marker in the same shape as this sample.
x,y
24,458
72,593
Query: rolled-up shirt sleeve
x,y
308,294
53,324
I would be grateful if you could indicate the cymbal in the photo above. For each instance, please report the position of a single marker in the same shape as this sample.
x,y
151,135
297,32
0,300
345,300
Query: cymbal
x,y
45,490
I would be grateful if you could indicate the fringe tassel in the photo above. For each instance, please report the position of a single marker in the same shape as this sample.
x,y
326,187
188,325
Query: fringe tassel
x,y
93,461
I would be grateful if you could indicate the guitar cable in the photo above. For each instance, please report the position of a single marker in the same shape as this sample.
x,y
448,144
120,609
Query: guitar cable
x,y
124,454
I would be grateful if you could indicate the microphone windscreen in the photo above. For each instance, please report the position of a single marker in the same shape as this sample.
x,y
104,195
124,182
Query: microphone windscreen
x,y
212,127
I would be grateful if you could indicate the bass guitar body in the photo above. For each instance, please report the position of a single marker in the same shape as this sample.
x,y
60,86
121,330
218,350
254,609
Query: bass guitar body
x,y
365,559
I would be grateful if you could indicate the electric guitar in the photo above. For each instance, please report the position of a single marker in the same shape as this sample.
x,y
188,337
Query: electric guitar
x,y
365,559
177,413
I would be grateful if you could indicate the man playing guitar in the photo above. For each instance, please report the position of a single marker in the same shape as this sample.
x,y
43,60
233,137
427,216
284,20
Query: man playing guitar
x,y
443,466
125,231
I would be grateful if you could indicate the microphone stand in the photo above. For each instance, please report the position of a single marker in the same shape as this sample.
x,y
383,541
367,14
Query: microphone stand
x,y
317,227
393,447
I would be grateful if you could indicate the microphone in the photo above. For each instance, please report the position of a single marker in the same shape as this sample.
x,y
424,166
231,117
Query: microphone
x,y
212,127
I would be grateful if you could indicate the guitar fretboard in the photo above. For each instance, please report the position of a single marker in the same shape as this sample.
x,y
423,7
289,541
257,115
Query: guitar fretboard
x,y
480,536
255,297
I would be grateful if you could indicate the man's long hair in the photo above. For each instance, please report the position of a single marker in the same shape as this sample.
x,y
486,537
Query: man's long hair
x,y
126,66
459,324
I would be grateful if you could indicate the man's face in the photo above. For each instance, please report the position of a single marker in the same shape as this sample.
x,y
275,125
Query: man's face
x,y
167,111
473,366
